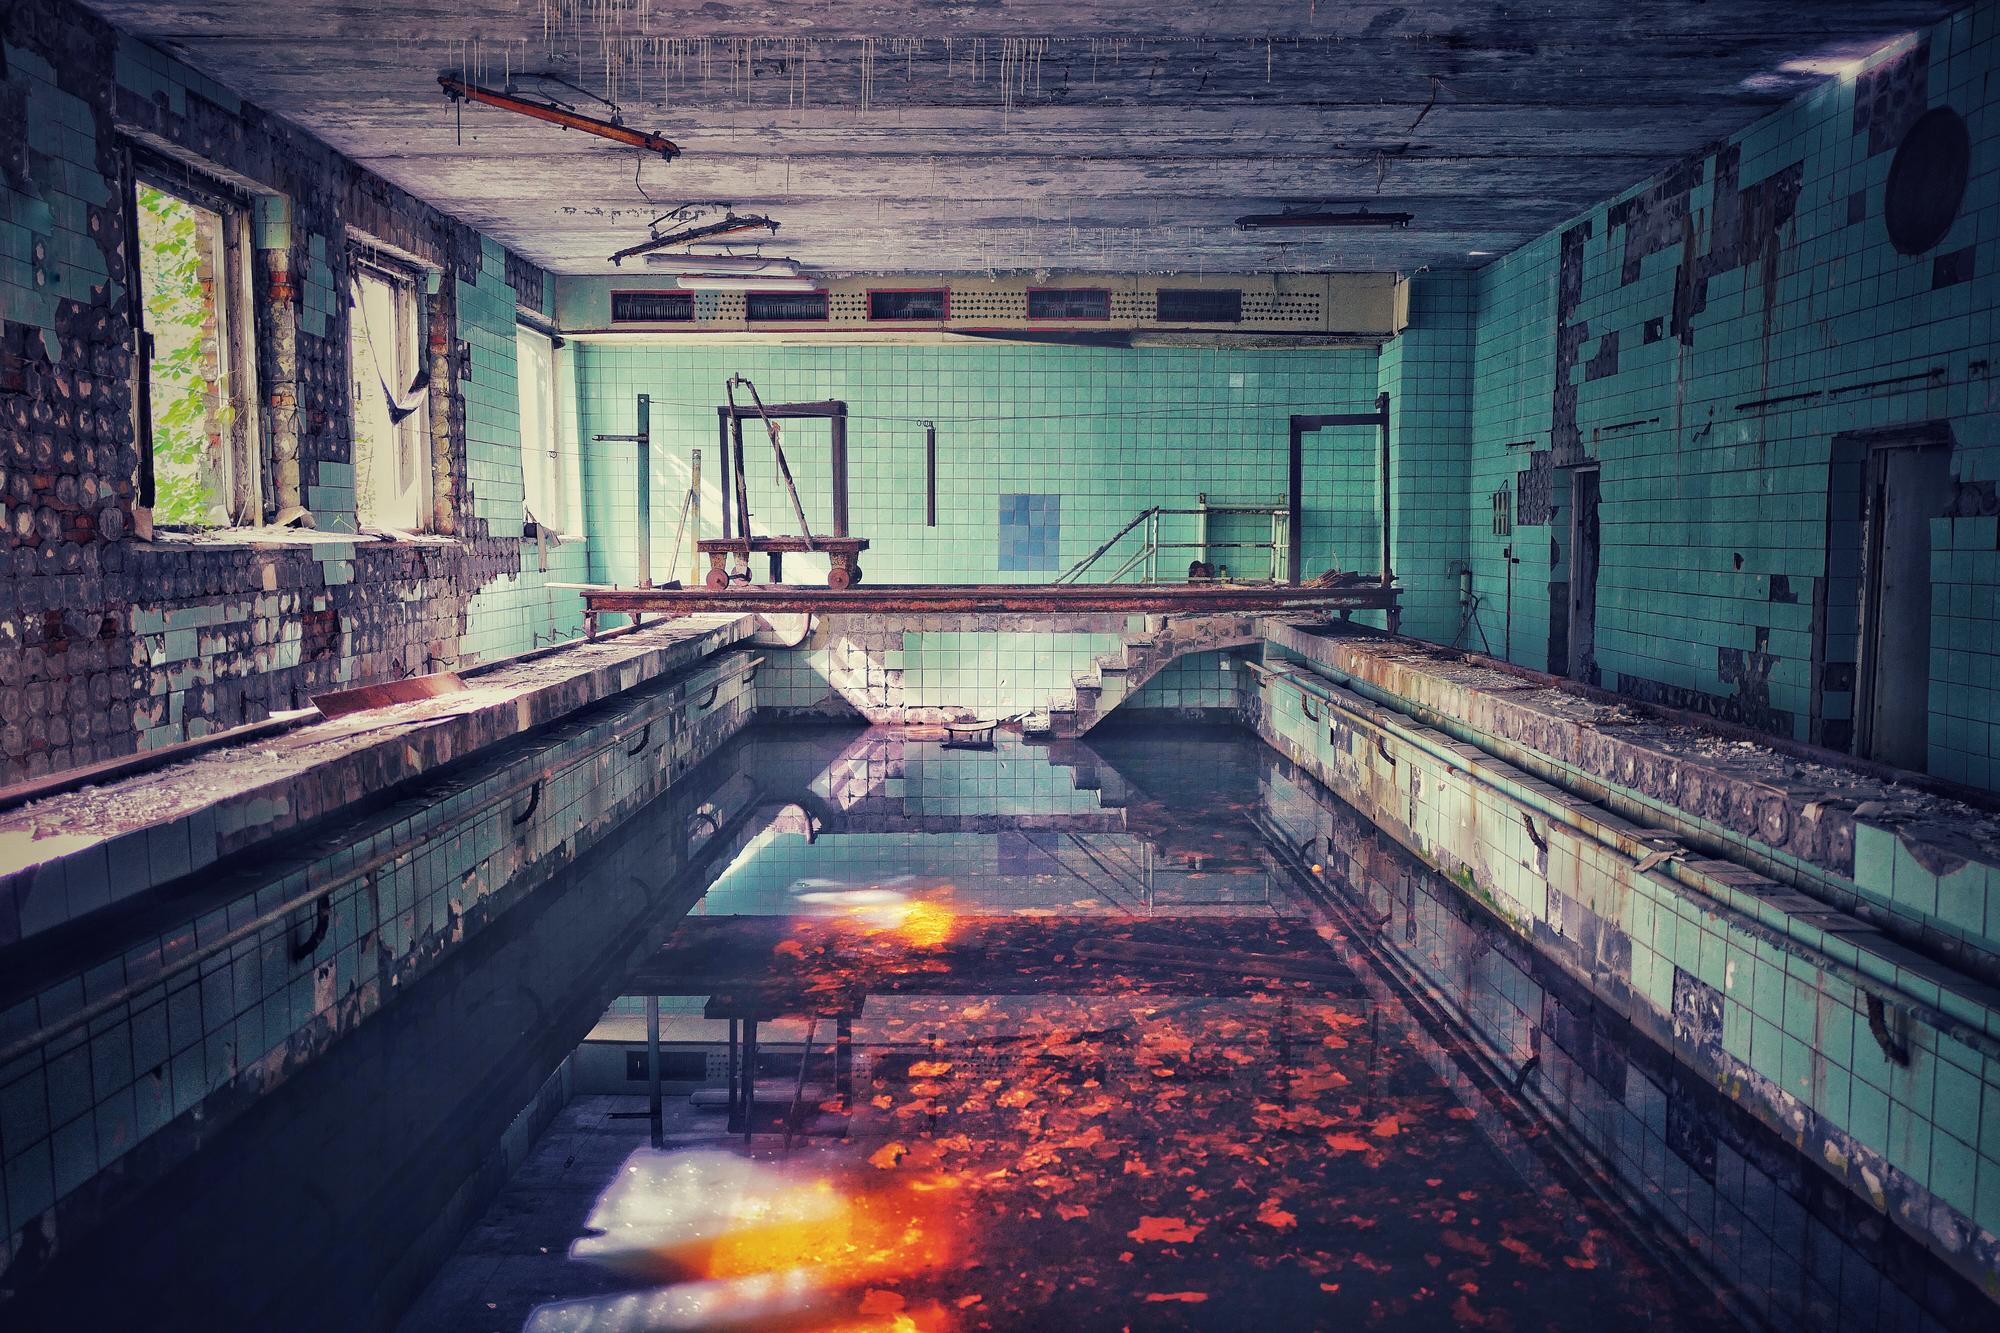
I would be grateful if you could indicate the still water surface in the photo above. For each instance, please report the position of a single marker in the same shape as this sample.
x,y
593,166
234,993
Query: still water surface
x,y
1094,1039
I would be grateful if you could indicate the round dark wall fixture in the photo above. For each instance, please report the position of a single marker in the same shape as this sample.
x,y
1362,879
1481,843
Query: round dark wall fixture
x,y
1927,181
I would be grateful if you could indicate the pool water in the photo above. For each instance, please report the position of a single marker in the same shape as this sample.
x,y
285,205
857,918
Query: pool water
x,y
1089,1037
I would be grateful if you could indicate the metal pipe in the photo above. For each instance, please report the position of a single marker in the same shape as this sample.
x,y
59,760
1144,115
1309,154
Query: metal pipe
x,y
644,442
1382,470
930,474
456,88
643,438
694,537
655,1112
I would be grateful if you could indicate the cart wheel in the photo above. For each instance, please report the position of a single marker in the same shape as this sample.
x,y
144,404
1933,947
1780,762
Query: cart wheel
x,y
718,578
839,577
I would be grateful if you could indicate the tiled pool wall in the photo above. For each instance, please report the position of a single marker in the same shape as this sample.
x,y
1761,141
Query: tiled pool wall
x,y
1704,338
150,1056
1876,1065
1042,452
1919,869
1717,1177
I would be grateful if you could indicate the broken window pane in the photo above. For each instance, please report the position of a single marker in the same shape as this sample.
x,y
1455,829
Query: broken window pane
x,y
392,467
541,464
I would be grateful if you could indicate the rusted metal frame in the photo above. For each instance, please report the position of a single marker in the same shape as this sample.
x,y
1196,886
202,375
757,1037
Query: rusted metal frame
x,y
642,437
1301,426
995,598
457,88
777,452
832,410
1069,576
729,226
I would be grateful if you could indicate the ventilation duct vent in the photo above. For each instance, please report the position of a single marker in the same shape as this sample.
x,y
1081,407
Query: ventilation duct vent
x,y
1069,303
784,307
930,303
652,307
1200,305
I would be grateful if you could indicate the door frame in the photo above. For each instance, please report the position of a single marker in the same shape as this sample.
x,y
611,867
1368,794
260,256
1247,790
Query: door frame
x,y
1880,443
1582,665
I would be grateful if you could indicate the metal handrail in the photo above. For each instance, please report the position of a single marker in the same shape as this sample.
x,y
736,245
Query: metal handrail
x,y
1150,548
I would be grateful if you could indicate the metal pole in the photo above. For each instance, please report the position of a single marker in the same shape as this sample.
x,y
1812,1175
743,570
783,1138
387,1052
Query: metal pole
x,y
644,440
694,537
1294,503
653,1107
930,474
1382,470
749,1076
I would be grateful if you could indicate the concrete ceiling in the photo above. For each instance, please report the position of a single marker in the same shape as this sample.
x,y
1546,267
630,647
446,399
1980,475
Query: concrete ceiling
x,y
962,135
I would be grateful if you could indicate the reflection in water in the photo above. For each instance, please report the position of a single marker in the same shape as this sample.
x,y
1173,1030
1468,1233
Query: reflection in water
x,y
1079,1040
1110,1076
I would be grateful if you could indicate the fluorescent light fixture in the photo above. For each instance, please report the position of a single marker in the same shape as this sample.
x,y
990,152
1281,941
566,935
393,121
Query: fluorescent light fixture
x,y
724,265
1315,217
696,282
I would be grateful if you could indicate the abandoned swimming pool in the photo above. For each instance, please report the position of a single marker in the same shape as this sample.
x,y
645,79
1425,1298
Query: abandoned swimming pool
x,y
1148,1032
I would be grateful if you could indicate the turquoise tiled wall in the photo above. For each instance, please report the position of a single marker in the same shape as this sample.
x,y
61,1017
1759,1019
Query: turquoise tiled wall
x,y
1199,680
1717,449
1110,431
1427,373
519,610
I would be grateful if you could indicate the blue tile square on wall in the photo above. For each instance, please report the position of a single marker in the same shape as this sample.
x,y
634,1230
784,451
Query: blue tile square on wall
x,y
1030,532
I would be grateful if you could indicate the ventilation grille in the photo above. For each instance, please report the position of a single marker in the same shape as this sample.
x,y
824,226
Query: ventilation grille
x,y
1200,305
1341,304
791,306
652,307
1069,303
929,303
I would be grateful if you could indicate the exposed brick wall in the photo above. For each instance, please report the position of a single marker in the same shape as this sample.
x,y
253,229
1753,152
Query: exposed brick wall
x,y
107,643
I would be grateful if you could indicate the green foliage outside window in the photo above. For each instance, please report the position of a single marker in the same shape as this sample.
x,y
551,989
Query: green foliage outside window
x,y
180,262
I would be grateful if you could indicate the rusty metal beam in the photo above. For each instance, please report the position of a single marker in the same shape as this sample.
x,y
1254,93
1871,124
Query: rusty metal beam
x,y
458,89
994,598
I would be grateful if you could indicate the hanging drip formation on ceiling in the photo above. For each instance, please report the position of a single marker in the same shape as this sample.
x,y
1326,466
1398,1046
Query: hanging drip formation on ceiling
x,y
637,61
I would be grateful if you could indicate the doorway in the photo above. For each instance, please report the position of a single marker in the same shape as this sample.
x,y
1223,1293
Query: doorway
x,y
1582,655
1907,483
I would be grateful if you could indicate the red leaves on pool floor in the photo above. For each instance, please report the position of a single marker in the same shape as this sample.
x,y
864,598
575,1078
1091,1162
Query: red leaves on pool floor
x,y
1257,1135
1168,1230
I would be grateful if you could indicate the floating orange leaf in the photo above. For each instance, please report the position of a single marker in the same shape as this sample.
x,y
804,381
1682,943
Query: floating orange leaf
x,y
888,1155
1188,1297
1170,1230
1271,1215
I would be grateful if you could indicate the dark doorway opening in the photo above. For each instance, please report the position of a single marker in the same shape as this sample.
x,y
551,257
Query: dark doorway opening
x,y
1583,548
1906,483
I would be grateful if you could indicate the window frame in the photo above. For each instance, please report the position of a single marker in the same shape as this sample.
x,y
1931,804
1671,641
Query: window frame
x,y
250,497
553,479
409,280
